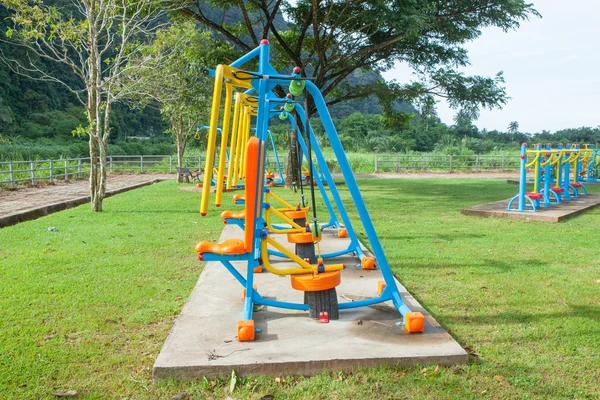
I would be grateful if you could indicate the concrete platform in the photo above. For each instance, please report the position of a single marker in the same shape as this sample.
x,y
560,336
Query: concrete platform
x,y
33,203
203,340
556,213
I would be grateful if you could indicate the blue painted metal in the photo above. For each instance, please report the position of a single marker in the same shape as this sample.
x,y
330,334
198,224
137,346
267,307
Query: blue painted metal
x,y
266,80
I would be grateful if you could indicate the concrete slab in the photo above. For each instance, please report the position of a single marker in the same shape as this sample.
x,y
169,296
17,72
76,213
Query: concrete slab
x,y
556,213
203,340
58,198
516,182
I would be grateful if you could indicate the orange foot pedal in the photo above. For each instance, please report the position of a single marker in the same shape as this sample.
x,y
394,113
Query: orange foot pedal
x,y
414,322
246,330
342,233
380,287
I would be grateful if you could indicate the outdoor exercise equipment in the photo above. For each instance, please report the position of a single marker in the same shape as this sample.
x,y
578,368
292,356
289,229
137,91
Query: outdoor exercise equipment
x,y
316,279
556,175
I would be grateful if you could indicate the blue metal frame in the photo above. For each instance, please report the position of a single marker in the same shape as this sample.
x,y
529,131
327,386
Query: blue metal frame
x,y
266,80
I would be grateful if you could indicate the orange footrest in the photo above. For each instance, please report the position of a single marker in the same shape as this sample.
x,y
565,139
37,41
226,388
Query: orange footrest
x,y
231,246
303,237
342,232
380,287
228,214
414,322
316,283
295,214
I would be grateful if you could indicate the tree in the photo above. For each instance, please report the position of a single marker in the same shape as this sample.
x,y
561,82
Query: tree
x,y
169,72
330,39
513,129
95,42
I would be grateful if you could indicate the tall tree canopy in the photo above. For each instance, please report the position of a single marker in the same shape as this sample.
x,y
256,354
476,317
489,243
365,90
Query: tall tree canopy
x,y
332,38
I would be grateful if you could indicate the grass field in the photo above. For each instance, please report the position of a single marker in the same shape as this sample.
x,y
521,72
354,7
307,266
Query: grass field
x,y
87,307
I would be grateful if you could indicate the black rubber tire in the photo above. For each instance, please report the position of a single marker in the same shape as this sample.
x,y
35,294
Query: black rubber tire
x,y
324,300
306,250
300,221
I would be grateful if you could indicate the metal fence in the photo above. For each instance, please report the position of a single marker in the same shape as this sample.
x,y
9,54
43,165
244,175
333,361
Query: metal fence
x,y
14,173
431,162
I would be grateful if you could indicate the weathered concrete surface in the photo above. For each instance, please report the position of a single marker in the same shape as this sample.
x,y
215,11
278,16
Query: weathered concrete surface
x,y
203,340
31,203
556,213
530,183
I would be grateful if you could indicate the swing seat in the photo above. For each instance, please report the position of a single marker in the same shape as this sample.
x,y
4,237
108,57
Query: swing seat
x,y
231,246
228,214
270,175
295,214
302,237
534,195
239,197
576,185
557,190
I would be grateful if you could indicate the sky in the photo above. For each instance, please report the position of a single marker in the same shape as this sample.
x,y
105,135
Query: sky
x,y
551,67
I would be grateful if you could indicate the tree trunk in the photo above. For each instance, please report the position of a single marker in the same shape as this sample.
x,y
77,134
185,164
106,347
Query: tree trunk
x,y
94,181
293,170
180,151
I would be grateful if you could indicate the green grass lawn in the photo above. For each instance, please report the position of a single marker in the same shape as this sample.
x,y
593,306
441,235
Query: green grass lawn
x,y
88,307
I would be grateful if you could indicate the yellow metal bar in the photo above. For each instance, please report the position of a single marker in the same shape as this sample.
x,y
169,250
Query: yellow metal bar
x,y
234,138
245,149
240,146
533,161
224,138
294,229
305,267
230,74
282,201
212,139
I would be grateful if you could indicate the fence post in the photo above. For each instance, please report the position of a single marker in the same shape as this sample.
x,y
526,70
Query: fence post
x,y
396,162
450,162
11,168
33,173
170,164
477,163
110,164
199,163
51,172
423,167
79,168
141,164
503,163
375,162
66,170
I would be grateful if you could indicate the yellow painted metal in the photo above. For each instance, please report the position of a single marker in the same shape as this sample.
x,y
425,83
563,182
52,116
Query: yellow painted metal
x,y
295,228
224,138
238,154
234,139
304,266
212,138
245,149
229,73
